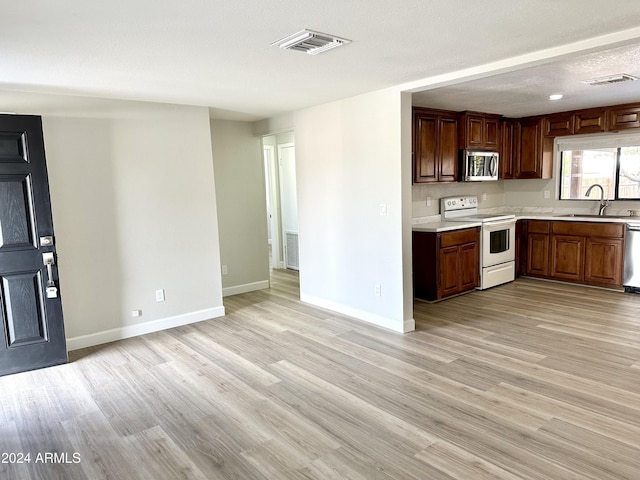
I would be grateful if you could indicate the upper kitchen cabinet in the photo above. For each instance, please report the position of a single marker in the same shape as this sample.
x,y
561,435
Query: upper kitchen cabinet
x,y
509,147
592,120
622,117
435,146
535,156
480,131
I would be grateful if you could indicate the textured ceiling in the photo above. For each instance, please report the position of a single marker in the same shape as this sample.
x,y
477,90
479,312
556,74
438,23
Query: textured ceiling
x,y
526,91
216,53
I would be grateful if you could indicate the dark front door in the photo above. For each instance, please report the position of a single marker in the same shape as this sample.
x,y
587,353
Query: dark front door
x,y
32,328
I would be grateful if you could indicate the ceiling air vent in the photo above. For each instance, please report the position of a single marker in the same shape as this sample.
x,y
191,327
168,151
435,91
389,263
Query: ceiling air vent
x,y
622,77
310,42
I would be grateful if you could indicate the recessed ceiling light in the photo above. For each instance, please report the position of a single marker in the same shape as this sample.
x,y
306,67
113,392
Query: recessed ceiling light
x,y
555,96
310,42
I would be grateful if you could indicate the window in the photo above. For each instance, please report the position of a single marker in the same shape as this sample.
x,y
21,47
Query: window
x,y
615,169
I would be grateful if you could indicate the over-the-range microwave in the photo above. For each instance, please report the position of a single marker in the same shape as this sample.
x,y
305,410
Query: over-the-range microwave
x,y
480,166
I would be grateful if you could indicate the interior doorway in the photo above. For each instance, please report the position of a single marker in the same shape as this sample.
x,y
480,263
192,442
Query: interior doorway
x,y
282,208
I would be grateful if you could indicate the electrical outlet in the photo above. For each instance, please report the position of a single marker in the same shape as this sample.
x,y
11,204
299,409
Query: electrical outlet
x,y
428,201
484,196
377,289
136,313
547,194
224,270
383,209
160,295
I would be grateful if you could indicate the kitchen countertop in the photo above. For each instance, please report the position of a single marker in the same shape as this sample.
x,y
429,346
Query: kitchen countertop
x,y
443,226
436,225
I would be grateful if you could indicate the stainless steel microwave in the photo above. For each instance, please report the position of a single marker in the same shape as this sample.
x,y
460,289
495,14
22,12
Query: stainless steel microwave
x,y
479,166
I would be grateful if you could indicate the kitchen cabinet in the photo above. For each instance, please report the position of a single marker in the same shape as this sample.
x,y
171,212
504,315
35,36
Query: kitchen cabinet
x,y
567,257
535,157
509,148
560,124
604,259
623,117
589,253
445,263
536,250
479,131
593,120
435,146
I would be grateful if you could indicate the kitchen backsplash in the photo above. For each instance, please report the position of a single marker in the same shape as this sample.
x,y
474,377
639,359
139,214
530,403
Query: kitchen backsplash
x,y
526,196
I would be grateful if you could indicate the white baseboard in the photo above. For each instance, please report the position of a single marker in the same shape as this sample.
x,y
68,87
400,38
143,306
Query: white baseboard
x,y
409,325
247,287
380,321
74,343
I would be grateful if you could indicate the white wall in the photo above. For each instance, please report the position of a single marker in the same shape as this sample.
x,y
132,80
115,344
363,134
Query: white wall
x,y
134,210
349,162
242,208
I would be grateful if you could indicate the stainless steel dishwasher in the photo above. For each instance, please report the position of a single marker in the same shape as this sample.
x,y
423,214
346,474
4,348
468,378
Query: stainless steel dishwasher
x,y
631,278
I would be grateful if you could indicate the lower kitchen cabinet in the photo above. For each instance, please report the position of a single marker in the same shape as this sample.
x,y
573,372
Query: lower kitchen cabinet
x,y
567,257
445,263
604,260
536,253
581,252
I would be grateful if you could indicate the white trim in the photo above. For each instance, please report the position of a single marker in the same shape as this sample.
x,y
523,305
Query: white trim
x,y
389,323
409,325
106,336
247,287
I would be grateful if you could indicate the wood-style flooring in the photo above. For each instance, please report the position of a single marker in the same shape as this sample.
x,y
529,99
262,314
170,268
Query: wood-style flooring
x,y
529,380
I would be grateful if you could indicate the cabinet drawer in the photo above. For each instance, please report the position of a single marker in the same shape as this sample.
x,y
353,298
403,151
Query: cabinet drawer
x,y
608,230
459,237
537,226
588,229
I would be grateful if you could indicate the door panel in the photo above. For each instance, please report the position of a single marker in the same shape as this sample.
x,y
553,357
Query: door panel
x,y
31,322
24,315
16,215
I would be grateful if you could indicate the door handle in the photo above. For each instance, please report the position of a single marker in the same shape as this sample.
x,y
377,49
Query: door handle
x,y
49,259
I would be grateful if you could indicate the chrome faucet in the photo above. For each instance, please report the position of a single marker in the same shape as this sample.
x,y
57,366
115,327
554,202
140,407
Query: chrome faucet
x,y
603,203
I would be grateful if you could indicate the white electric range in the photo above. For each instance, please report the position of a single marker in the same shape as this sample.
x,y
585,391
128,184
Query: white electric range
x,y
497,238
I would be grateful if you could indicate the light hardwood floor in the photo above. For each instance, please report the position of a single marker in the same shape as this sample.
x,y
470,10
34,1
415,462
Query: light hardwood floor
x,y
530,380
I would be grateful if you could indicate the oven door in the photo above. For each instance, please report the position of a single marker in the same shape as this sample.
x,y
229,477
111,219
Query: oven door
x,y
498,242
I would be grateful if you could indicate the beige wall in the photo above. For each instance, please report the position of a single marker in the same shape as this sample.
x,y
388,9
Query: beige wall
x,y
134,208
242,209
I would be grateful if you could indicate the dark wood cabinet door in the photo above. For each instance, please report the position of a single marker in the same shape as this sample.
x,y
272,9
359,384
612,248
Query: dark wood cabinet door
x,y
528,164
448,272
480,131
567,257
603,261
435,146
558,125
491,133
509,148
591,121
469,265
475,132
624,117
448,150
424,153
537,254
